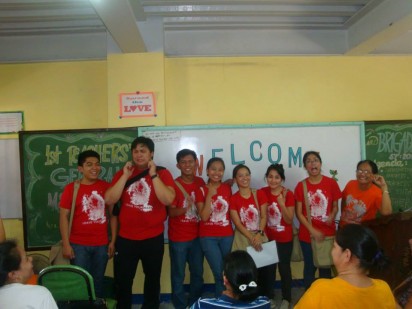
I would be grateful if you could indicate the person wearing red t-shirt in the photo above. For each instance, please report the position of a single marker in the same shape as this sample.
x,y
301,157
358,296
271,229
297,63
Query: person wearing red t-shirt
x,y
364,197
144,190
281,210
184,244
248,211
88,244
323,196
215,229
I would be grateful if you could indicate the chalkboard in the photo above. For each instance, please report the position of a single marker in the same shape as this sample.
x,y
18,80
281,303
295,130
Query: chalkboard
x,y
48,162
389,144
341,146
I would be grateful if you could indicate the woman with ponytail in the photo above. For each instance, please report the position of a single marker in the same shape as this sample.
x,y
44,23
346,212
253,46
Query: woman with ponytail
x,y
355,252
240,280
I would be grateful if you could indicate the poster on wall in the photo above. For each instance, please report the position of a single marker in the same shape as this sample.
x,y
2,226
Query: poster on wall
x,y
137,104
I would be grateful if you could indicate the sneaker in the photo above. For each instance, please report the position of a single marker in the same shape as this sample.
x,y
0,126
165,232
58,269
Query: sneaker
x,y
284,304
273,304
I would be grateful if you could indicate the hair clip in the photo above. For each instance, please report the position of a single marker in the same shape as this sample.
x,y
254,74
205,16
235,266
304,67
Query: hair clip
x,y
251,284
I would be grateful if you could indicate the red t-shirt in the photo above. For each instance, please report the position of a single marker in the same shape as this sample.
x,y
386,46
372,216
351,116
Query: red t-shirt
x,y
276,227
186,226
141,213
321,197
360,205
218,224
248,211
89,227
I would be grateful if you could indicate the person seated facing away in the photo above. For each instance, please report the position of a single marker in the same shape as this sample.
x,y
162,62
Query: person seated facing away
x,y
15,271
355,251
239,278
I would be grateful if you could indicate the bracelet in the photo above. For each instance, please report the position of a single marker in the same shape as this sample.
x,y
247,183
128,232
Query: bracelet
x,y
386,191
153,176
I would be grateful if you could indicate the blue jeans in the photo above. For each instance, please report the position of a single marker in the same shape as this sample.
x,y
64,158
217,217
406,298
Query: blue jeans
x,y
215,249
181,253
94,260
309,268
285,253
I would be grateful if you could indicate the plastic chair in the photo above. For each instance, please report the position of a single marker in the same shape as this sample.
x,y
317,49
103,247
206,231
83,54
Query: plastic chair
x,y
71,286
40,261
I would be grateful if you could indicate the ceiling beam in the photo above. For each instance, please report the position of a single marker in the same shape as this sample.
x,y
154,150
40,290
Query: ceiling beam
x,y
386,22
120,21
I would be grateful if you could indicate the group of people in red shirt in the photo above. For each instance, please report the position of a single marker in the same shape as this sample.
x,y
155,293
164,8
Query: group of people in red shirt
x,y
201,219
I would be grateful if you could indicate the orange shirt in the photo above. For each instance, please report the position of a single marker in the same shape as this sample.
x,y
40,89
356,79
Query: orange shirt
x,y
360,205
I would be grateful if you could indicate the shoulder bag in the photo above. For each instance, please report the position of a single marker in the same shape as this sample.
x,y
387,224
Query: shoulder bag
x,y
56,251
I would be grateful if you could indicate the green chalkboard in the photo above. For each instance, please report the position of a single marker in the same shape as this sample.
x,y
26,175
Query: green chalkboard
x,y
48,162
389,144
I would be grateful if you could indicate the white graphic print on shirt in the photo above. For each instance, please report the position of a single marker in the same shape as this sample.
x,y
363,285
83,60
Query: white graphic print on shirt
x,y
220,208
319,204
250,217
275,217
139,193
191,213
355,209
93,205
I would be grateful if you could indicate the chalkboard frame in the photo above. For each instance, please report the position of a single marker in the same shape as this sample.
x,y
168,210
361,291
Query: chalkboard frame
x,y
130,132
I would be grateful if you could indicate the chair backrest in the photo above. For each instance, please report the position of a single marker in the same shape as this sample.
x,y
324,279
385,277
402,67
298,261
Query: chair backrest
x,y
40,261
68,283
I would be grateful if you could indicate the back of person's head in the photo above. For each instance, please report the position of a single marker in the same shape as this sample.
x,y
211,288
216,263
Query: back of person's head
x,y
185,152
362,243
241,273
87,154
10,259
143,141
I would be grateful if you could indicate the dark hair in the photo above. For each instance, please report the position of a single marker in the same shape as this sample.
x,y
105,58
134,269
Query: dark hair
x,y
213,160
10,259
362,243
144,141
241,272
278,168
311,152
185,152
237,168
87,154
372,164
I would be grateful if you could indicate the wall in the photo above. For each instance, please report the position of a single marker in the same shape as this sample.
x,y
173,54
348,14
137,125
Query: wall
x,y
264,90
81,95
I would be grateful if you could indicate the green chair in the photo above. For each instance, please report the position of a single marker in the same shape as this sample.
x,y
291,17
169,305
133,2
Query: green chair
x,y
71,287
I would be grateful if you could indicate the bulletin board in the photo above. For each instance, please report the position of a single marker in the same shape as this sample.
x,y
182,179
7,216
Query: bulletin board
x,y
48,162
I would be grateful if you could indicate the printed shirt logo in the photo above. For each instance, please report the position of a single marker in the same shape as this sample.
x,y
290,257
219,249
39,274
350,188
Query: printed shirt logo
x,y
250,217
319,205
139,193
191,214
354,210
93,205
220,208
275,217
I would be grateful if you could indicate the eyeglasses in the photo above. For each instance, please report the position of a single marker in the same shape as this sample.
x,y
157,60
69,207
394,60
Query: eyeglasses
x,y
364,172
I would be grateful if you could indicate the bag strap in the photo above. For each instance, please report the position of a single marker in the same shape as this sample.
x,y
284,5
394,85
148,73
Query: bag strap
x,y
75,190
305,193
140,176
256,200
179,185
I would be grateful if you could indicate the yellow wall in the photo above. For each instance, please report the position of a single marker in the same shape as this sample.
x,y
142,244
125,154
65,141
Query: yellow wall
x,y
243,90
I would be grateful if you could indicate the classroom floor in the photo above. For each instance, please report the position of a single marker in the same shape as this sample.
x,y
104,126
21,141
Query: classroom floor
x,y
296,294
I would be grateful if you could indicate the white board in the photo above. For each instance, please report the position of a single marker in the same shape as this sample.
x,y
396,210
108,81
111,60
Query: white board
x,y
341,147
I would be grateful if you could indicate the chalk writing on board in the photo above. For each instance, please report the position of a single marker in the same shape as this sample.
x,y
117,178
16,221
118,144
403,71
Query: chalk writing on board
x,y
390,146
163,136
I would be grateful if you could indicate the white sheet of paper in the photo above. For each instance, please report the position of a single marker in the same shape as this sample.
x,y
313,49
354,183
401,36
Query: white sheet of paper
x,y
269,254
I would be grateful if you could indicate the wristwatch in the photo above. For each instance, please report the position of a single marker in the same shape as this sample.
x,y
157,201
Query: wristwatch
x,y
260,232
153,176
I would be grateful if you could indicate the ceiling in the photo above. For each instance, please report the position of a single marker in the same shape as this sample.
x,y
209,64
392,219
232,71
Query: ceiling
x,y
48,30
